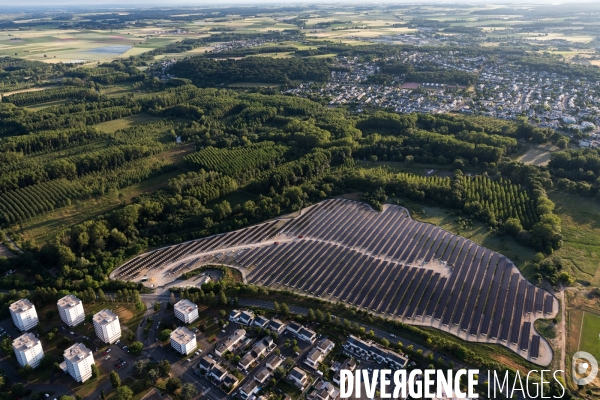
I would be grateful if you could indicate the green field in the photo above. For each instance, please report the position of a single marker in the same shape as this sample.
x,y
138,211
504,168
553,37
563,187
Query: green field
x,y
44,228
479,233
122,123
589,339
580,252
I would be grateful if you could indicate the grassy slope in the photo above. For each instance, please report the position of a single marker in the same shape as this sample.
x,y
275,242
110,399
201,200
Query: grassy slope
x,y
126,122
580,252
590,339
48,225
479,233
45,227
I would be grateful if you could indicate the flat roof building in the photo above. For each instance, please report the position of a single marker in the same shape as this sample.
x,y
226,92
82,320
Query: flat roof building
x,y
71,311
23,314
183,340
186,311
107,326
78,362
28,350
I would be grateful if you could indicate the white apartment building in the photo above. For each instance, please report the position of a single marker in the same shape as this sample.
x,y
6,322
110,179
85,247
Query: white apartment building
x,y
183,340
107,326
186,311
71,310
28,350
23,314
78,362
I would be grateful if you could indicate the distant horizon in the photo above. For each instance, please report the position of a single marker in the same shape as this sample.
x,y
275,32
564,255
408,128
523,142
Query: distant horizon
x,y
48,4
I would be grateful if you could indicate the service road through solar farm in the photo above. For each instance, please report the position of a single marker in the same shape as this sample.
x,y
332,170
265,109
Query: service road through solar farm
x,y
384,262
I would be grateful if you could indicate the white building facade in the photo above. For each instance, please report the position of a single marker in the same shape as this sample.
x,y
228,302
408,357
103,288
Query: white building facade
x,y
78,362
186,311
23,314
71,311
183,340
107,326
28,350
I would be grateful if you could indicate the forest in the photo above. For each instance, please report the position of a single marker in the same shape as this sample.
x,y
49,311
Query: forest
x,y
208,72
287,152
278,153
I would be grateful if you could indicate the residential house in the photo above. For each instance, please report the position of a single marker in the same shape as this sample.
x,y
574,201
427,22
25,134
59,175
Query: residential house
x,y
249,389
246,317
218,373
231,341
261,322
324,391
325,346
314,358
234,315
307,335
348,364
269,342
230,381
246,361
259,349
262,375
293,327
277,326
298,378
206,363
273,361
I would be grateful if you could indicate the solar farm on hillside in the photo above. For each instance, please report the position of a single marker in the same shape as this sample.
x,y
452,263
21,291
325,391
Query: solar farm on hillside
x,y
384,262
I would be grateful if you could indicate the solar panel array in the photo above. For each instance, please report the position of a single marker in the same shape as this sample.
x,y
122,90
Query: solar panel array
x,y
159,258
384,262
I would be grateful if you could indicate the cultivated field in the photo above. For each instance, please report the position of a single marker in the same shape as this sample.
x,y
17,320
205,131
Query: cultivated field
x,y
580,253
386,263
81,46
589,339
539,155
